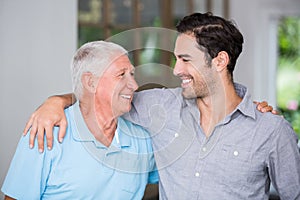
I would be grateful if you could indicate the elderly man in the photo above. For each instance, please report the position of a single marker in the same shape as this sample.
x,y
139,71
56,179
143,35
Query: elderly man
x,y
209,139
103,156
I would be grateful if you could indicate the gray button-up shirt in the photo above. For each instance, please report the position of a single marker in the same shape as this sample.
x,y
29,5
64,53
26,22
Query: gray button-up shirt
x,y
245,151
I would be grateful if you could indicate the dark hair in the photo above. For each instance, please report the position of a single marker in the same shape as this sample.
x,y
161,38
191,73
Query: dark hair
x,y
215,34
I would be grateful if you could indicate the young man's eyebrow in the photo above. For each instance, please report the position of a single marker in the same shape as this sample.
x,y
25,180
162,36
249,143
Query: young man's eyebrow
x,y
184,56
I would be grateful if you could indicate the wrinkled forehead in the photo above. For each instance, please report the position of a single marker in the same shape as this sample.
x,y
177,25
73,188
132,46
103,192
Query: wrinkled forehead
x,y
119,62
114,57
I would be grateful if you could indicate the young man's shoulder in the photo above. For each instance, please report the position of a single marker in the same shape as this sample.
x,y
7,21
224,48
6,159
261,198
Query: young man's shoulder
x,y
276,125
134,131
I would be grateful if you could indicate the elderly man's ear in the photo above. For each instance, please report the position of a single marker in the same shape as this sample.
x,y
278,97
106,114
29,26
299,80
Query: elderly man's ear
x,y
89,82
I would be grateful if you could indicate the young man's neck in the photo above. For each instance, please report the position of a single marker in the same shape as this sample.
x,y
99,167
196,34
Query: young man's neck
x,y
217,106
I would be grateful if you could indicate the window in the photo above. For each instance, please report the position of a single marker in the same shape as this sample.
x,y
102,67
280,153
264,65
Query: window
x,y
103,19
100,19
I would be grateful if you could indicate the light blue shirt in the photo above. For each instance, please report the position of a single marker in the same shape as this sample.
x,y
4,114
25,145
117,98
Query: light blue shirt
x,y
81,167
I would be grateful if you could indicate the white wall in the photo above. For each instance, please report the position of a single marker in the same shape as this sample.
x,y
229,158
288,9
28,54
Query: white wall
x,y
257,20
37,41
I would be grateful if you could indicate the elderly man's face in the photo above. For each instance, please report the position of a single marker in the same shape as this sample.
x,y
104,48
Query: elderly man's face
x,y
116,87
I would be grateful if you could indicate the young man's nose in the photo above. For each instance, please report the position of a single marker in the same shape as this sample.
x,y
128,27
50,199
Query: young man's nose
x,y
177,68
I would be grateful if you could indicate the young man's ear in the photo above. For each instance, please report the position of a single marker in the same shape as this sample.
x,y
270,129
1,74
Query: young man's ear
x,y
221,61
89,82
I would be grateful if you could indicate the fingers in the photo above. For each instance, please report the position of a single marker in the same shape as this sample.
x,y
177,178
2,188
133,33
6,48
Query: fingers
x,y
27,126
40,138
264,107
62,130
38,130
42,121
261,105
48,131
41,128
49,136
33,132
275,112
267,109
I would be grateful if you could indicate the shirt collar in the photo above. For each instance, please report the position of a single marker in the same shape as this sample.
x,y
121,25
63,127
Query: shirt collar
x,y
246,107
83,134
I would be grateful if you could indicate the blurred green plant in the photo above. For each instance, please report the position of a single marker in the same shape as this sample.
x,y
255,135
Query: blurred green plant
x,y
288,78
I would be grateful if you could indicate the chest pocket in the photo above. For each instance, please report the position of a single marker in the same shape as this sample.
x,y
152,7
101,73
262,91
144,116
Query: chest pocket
x,y
235,166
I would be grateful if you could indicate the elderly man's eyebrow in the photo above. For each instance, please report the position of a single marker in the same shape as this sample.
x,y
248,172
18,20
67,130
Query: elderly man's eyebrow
x,y
125,68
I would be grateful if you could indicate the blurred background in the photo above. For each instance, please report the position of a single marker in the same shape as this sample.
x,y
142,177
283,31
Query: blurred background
x,y
38,39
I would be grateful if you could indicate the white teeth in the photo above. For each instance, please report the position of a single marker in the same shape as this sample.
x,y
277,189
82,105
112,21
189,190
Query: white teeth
x,y
126,96
186,81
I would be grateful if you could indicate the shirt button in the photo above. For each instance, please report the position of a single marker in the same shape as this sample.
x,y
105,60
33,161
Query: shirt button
x,y
197,174
236,153
176,135
204,149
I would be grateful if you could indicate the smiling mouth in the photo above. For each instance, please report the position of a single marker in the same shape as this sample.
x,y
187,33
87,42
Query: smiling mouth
x,y
185,82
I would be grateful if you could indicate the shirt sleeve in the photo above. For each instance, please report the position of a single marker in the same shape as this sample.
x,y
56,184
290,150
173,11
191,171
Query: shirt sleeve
x,y
28,172
149,105
153,176
284,162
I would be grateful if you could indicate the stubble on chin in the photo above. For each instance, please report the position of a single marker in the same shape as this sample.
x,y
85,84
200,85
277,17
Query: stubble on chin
x,y
188,93
191,93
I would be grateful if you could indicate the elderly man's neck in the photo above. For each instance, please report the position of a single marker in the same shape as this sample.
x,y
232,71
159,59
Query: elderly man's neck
x,y
101,123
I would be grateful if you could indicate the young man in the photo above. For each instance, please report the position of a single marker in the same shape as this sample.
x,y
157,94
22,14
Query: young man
x,y
210,141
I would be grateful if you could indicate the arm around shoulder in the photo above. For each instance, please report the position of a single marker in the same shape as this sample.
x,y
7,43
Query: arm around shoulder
x,y
49,114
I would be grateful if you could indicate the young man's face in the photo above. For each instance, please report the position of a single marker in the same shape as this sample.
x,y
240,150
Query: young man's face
x,y
116,86
197,76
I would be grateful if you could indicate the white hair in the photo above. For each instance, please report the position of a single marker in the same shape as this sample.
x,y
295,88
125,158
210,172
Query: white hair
x,y
93,57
